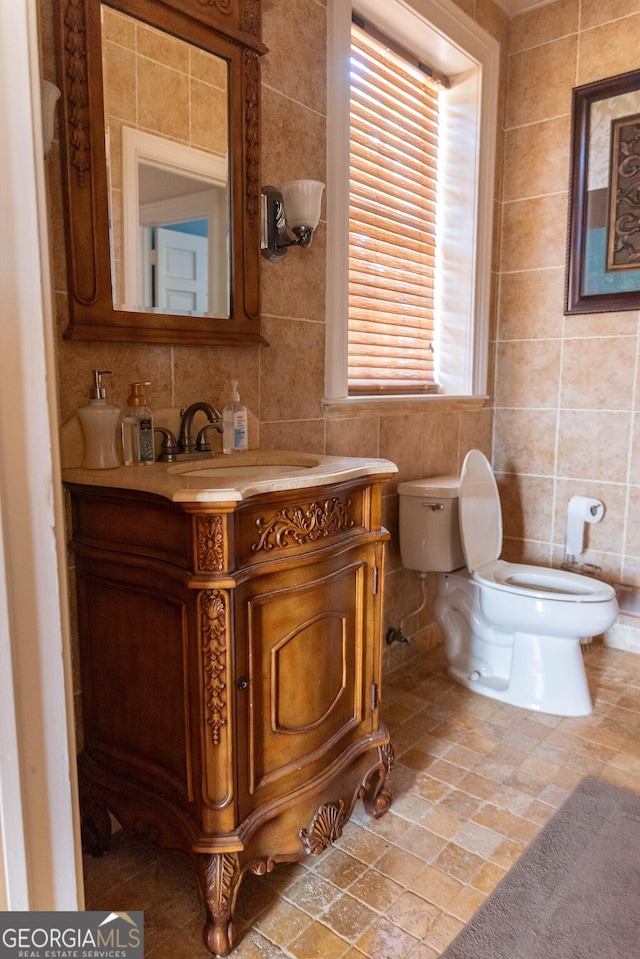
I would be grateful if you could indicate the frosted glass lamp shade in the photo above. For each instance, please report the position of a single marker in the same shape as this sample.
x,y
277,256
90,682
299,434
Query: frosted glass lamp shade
x,y
292,209
302,203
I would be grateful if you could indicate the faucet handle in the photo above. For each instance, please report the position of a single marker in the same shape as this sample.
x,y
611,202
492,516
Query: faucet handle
x,y
169,445
202,443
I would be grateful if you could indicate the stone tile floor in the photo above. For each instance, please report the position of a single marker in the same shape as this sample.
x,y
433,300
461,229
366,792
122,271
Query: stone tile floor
x,y
473,783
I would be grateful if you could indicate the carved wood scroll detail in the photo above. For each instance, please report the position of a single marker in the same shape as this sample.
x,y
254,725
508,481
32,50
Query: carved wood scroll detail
x,y
252,133
224,6
209,543
251,21
387,755
326,826
303,524
213,625
75,45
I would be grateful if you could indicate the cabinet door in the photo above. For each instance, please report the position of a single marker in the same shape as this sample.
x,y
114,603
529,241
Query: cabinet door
x,y
134,645
306,642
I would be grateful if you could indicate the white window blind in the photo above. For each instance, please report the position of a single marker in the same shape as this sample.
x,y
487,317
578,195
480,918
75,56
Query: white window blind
x,y
392,220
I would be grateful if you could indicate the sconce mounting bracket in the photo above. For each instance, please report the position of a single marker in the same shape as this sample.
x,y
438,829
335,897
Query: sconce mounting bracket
x,y
274,238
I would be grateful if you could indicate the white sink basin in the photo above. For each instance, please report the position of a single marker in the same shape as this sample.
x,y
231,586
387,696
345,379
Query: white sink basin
x,y
267,471
249,466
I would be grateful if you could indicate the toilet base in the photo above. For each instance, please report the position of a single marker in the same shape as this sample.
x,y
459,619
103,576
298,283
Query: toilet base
x,y
547,675
533,671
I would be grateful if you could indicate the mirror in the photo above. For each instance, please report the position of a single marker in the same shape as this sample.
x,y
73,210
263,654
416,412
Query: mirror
x,y
168,170
160,155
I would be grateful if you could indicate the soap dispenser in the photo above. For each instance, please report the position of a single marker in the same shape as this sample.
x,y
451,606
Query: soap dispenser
x,y
99,423
234,423
137,428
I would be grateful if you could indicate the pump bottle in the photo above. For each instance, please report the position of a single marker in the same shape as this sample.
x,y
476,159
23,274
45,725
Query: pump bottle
x,y
99,423
137,428
234,423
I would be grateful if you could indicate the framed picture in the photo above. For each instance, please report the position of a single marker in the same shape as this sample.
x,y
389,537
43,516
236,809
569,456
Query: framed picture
x,y
603,253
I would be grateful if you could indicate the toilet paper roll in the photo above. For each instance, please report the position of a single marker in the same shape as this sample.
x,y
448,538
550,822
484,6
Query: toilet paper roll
x,y
581,510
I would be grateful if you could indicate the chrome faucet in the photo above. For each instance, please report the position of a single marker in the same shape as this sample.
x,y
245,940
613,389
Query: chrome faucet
x,y
187,443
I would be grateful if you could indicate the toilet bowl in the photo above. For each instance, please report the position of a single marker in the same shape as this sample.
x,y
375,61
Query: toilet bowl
x,y
512,631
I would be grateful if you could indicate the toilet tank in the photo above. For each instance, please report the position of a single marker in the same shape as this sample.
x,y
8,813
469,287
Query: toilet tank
x,y
429,531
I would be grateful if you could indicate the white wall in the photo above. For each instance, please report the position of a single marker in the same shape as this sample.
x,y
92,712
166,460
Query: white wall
x,y
39,847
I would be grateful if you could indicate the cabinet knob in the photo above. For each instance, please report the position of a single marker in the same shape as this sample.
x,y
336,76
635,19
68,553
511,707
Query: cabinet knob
x,y
243,682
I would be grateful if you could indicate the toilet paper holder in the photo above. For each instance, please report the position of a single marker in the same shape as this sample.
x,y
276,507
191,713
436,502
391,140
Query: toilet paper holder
x,y
581,510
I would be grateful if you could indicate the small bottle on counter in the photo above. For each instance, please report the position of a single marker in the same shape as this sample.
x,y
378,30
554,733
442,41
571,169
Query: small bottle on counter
x,y
235,423
99,423
137,428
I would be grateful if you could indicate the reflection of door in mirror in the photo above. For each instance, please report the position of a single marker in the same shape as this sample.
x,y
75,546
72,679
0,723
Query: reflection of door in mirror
x,y
168,165
179,268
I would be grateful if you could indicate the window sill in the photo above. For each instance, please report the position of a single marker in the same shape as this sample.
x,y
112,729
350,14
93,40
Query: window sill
x,y
391,405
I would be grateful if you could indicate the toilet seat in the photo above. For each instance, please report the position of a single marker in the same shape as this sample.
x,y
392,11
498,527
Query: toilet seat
x,y
481,535
543,583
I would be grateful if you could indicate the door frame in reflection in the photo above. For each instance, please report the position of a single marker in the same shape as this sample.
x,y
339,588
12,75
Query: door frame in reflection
x,y
211,203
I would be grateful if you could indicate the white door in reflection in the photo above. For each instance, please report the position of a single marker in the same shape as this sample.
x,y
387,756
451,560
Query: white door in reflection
x,y
180,274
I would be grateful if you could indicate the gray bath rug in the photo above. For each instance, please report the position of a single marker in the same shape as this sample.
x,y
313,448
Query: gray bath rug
x,y
575,891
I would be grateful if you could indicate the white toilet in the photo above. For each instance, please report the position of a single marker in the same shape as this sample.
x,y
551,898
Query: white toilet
x,y
512,631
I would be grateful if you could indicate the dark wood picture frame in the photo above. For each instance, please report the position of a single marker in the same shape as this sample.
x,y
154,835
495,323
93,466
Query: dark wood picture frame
x,y
603,246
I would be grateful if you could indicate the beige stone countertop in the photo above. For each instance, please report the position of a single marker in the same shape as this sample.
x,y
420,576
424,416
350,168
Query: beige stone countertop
x,y
233,477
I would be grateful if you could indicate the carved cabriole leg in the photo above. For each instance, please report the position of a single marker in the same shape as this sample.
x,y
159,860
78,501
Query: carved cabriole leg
x,y
375,798
219,877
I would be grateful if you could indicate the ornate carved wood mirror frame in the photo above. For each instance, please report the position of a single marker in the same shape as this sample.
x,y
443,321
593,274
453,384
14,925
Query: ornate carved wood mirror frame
x,y
230,29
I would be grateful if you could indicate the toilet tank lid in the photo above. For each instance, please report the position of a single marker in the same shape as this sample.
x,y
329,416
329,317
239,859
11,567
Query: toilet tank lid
x,y
447,487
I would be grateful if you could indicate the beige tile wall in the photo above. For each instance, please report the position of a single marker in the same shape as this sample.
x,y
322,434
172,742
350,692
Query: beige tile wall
x,y
284,383
566,397
565,417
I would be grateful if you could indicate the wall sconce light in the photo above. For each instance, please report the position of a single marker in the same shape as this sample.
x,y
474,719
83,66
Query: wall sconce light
x,y
294,208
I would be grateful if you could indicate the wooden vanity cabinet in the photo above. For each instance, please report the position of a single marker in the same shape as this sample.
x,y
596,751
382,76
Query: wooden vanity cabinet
x,y
230,657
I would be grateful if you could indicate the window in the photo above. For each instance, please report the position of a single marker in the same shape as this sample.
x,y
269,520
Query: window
x,y
440,34
392,217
